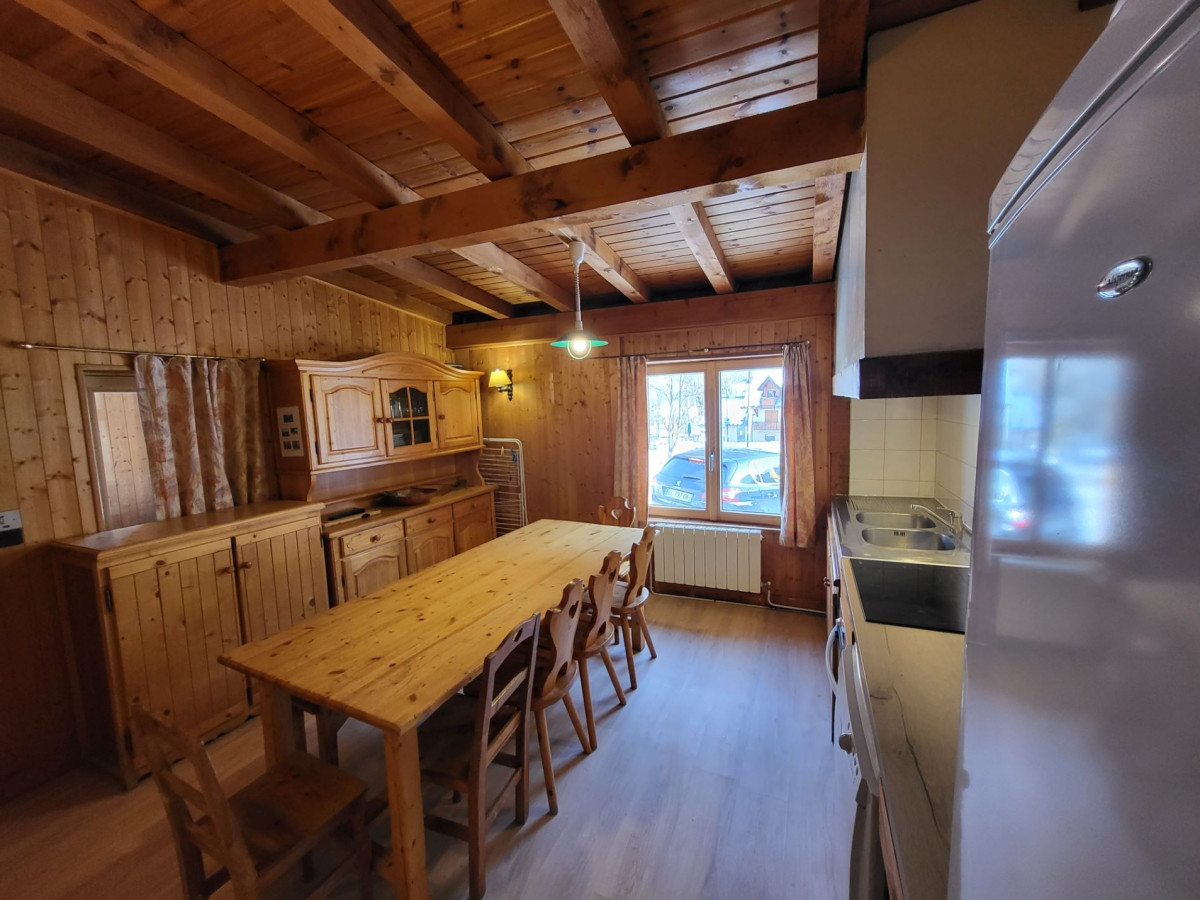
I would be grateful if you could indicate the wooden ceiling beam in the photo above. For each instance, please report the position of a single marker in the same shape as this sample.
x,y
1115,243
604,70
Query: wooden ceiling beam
x,y
823,137
68,175
149,46
366,35
359,284
827,224
443,284
769,305
52,104
125,31
605,260
494,260
841,45
692,222
598,31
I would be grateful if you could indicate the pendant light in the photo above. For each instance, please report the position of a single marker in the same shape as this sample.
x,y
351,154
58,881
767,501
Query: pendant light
x,y
578,342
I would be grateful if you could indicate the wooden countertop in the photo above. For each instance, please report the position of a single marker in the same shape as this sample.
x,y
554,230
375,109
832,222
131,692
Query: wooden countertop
x,y
155,537
914,678
349,525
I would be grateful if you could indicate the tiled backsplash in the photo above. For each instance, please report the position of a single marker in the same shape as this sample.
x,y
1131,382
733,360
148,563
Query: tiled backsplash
x,y
916,446
893,446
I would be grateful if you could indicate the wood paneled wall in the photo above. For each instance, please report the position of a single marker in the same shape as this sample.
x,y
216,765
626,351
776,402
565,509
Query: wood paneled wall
x,y
82,275
565,412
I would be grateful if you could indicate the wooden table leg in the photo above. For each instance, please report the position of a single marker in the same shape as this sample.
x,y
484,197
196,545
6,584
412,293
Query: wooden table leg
x,y
407,872
280,735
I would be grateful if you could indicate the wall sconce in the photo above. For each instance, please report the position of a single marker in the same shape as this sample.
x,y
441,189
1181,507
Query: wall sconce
x,y
501,380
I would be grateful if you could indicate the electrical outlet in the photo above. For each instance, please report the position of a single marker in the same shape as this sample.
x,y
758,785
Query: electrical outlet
x,y
11,532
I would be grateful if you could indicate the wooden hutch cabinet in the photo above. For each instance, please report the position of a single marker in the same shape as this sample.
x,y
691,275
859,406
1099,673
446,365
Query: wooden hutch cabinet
x,y
150,608
380,409
347,430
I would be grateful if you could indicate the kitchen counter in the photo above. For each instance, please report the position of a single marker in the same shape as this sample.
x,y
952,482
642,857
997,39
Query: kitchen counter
x,y
446,497
914,678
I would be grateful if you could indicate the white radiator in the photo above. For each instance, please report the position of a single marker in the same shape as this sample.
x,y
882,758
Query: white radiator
x,y
710,556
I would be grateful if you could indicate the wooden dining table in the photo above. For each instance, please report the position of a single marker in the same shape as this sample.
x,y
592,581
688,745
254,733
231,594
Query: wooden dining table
x,y
393,657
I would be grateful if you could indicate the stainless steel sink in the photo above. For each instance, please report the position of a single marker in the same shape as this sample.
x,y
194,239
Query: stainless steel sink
x,y
908,540
895,520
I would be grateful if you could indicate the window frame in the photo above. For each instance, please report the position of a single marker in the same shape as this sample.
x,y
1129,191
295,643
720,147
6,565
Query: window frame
x,y
98,379
711,368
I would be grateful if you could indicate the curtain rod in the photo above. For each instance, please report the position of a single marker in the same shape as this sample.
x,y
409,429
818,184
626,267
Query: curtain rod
x,y
25,345
710,352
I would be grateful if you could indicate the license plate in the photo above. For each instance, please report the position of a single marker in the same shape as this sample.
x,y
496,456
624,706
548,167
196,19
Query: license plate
x,y
677,495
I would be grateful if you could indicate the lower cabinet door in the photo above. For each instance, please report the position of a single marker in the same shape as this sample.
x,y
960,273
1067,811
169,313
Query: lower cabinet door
x,y
429,547
174,616
372,570
473,523
281,574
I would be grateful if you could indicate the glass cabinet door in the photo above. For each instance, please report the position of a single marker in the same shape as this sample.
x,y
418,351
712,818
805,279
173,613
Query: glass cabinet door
x,y
409,422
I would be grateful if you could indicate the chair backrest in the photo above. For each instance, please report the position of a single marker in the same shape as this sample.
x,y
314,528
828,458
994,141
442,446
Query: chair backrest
x,y
617,511
213,828
516,693
600,590
559,625
639,564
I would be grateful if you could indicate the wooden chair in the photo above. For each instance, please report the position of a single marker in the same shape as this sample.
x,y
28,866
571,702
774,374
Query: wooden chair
x,y
629,601
262,831
467,734
594,639
555,673
617,511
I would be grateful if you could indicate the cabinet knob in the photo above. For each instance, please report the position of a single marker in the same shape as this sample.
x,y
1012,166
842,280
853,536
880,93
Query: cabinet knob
x,y
846,742
384,420
246,565
441,415
376,538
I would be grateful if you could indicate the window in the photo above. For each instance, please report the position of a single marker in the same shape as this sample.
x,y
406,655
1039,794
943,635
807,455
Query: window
x,y
117,447
714,431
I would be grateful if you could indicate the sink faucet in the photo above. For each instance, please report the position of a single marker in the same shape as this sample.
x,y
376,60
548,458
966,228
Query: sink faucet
x,y
954,523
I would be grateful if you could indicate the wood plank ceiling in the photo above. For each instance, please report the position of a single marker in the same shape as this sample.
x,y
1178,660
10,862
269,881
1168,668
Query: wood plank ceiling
x,y
239,118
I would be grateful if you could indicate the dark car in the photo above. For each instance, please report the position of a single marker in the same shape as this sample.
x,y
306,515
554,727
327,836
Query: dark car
x,y
749,481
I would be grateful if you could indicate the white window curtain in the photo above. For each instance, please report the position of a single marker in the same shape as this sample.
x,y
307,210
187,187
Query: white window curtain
x,y
631,478
799,503
205,433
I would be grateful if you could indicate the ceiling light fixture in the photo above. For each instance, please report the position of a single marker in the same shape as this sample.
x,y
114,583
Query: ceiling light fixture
x,y
578,342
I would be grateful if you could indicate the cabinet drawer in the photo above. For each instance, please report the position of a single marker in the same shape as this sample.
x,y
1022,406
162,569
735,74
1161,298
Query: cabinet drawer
x,y
371,537
476,506
437,518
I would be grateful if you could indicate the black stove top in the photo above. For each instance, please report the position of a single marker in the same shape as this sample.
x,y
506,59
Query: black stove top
x,y
916,596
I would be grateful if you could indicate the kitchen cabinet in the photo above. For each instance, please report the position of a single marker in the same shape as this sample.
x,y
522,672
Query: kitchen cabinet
x,y
408,424
392,409
346,412
281,577
429,539
366,555
458,414
150,608
474,523
374,569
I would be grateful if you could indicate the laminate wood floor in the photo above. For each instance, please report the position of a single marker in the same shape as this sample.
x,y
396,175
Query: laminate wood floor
x,y
717,781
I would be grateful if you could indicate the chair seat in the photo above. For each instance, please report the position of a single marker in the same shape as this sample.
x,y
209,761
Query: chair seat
x,y
292,803
622,600
445,738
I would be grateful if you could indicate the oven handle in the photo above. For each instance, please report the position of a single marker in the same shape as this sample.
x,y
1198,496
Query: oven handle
x,y
829,673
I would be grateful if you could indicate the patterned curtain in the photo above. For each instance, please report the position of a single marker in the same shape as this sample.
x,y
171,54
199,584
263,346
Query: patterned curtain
x,y
631,478
205,433
799,488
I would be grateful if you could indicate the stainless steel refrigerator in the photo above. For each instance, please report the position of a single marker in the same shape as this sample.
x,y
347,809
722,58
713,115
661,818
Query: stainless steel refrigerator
x,y
1079,768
